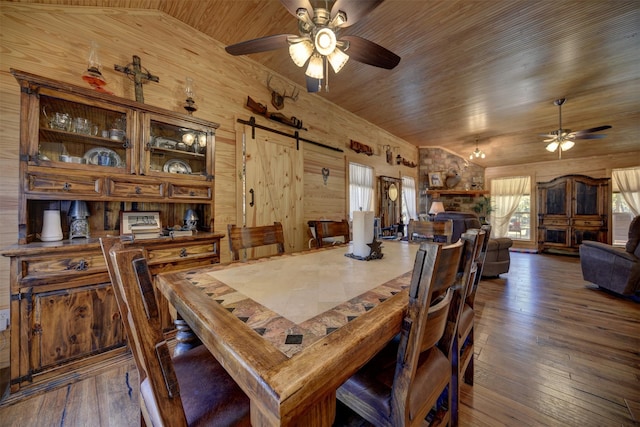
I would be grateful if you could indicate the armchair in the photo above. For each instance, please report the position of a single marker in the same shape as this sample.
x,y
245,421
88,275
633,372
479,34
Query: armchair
x,y
613,268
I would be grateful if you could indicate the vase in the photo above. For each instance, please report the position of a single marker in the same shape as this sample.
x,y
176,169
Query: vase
x,y
51,226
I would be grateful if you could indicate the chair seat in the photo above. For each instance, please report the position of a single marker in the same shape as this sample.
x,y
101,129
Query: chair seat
x,y
209,395
372,384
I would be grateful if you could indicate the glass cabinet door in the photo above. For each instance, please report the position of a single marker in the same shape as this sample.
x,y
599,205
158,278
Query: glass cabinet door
x,y
77,135
177,147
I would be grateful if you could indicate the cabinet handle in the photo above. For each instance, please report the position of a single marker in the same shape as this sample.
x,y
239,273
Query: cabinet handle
x,y
138,190
192,193
183,252
66,186
81,265
251,203
147,146
126,144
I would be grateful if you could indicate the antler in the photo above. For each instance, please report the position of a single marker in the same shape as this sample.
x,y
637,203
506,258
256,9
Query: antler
x,y
294,94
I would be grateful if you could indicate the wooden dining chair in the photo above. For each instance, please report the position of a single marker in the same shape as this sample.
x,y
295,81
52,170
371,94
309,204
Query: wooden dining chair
x,y
404,381
465,328
252,237
325,230
192,389
436,231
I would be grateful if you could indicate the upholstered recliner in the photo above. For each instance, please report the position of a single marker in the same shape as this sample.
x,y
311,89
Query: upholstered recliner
x,y
498,259
614,268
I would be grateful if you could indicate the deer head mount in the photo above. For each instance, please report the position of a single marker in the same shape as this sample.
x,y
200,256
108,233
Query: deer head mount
x,y
277,99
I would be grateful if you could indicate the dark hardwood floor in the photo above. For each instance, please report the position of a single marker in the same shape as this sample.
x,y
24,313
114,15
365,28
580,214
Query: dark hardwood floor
x,y
551,349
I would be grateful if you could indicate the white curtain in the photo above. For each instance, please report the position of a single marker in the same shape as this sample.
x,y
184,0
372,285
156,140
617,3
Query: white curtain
x,y
360,188
628,182
409,199
505,197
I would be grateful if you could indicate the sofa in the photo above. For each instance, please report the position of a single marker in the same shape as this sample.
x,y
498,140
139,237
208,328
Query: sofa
x,y
498,259
616,269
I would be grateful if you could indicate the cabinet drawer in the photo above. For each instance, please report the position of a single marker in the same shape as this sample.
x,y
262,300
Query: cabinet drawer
x,y
51,183
68,266
128,188
588,223
194,192
555,221
181,252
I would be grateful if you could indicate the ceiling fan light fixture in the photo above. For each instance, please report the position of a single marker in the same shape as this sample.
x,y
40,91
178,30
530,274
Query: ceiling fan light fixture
x,y
315,69
325,41
300,52
337,59
567,145
338,20
552,146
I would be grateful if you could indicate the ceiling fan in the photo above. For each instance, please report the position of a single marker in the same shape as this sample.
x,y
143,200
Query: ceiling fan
x,y
318,42
563,139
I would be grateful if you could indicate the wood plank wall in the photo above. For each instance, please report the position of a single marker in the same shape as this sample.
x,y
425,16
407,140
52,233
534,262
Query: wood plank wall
x,y
53,41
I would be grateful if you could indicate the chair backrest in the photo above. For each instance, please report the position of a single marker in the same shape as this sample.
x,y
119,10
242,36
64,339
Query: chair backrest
x,y
440,278
324,229
133,287
434,274
430,229
252,237
482,254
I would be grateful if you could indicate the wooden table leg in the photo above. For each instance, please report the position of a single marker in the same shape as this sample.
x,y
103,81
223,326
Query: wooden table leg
x,y
321,414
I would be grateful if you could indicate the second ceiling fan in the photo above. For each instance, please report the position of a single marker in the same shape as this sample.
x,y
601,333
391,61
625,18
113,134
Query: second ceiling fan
x,y
563,139
318,43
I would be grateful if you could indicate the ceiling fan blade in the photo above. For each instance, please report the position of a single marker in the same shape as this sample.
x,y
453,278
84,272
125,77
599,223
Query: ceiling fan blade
x,y
355,9
591,136
293,5
596,129
368,52
262,44
313,85
550,139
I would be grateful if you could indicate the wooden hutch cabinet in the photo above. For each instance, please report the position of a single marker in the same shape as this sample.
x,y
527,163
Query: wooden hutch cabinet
x,y
571,209
116,155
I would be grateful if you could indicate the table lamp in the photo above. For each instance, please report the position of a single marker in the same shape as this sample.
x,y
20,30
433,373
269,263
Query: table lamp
x,y
436,208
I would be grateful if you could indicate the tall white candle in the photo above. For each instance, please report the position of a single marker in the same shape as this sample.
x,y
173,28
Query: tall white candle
x,y
362,233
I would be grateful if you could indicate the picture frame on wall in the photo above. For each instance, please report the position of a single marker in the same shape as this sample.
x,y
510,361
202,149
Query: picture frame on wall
x,y
435,180
139,221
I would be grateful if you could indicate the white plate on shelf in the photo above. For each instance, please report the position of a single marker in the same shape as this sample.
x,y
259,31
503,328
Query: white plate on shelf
x,y
92,157
177,166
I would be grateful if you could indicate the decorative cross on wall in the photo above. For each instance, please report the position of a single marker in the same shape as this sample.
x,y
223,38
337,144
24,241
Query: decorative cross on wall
x,y
138,74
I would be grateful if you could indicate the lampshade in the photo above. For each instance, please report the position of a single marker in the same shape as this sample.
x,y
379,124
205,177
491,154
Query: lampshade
x,y
78,209
300,52
325,41
436,208
337,59
315,69
567,145
552,146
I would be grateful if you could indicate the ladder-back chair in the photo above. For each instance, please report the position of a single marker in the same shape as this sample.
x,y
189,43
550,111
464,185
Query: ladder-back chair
x,y
403,382
188,390
325,230
252,237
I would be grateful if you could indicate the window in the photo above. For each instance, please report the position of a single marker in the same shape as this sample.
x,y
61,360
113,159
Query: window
x,y
511,202
408,199
625,202
360,188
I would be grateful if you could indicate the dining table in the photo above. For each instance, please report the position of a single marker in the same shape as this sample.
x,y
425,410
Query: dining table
x,y
291,329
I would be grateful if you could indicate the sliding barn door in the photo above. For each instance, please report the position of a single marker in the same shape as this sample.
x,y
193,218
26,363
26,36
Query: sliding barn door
x,y
273,187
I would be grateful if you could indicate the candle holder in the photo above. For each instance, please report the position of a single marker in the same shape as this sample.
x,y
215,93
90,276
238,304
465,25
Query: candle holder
x,y
78,223
189,104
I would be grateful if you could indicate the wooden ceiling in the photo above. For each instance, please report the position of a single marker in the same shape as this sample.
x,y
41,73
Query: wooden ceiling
x,y
485,70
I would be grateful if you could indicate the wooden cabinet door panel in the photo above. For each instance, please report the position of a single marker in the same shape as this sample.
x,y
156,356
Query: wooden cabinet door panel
x,y
74,323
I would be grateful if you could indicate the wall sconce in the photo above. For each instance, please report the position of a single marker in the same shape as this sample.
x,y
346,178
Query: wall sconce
x,y
398,159
189,104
